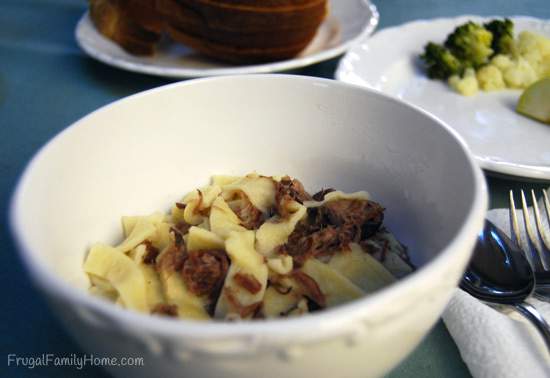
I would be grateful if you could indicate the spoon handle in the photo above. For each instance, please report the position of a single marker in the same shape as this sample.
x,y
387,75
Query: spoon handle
x,y
536,318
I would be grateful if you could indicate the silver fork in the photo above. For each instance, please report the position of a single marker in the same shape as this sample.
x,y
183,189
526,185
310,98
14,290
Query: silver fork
x,y
537,244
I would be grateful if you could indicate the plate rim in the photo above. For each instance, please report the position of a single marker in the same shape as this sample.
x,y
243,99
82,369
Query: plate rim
x,y
507,168
187,73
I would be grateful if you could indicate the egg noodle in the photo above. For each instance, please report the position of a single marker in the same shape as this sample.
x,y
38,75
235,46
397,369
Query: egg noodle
x,y
249,247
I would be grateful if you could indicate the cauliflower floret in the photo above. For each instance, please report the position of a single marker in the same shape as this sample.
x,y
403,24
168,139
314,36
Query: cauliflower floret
x,y
534,58
526,42
467,85
535,49
529,41
502,62
490,78
520,75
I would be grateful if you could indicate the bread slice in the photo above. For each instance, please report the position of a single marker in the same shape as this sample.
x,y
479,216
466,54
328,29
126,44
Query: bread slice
x,y
237,31
191,22
229,53
145,13
244,31
260,18
128,24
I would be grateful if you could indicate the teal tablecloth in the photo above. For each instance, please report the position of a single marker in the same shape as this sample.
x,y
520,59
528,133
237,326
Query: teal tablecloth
x,y
46,83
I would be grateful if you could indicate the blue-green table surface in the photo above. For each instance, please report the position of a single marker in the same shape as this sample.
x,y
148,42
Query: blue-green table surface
x,y
47,82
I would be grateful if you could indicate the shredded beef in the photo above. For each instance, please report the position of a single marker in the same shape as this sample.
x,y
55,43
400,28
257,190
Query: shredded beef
x,y
288,190
165,309
244,311
320,195
183,227
178,236
204,271
331,227
310,287
248,281
253,309
172,259
151,253
304,243
368,215
251,217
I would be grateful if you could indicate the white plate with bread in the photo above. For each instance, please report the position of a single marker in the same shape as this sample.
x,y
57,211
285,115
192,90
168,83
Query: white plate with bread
x,y
240,38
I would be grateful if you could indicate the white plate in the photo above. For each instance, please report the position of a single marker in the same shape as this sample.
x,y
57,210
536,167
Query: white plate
x,y
348,21
502,140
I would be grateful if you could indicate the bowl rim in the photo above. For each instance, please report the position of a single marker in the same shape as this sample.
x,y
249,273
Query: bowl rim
x,y
327,323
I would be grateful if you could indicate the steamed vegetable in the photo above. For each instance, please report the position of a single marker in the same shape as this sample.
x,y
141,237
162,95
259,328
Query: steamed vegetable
x,y
503,36
440,62
471,43
487,57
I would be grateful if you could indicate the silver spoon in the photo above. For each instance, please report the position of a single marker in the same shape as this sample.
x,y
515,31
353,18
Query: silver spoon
x,y
500,273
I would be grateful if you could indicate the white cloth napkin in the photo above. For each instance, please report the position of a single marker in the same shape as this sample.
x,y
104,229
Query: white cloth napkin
x,y
494,344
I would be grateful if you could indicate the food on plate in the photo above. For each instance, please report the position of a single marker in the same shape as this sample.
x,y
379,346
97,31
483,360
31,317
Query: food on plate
x,y
249,247
244,31
237,31
133,24
535,101
488,57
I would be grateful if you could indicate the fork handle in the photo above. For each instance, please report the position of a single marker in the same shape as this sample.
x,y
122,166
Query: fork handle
x,y
536,318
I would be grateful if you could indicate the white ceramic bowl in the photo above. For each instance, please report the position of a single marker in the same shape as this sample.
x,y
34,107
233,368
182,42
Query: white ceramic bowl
x,y
142,153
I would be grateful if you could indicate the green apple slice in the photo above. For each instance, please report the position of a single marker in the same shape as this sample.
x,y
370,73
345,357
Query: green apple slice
x,y
535,101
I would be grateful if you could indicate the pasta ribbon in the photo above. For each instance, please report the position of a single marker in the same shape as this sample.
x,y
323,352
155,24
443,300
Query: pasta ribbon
x,y
260,190
160,238
276,303
129,222
335,287
245,261
142,230
361,268
153,287
121,272
200,239
175,291
281,264
197,202
223,180
275,232
102,287
338,195
223,220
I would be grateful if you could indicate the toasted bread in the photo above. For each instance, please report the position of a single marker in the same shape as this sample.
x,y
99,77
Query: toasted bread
x,y
237,31
229,53
259,18
121,21
244,31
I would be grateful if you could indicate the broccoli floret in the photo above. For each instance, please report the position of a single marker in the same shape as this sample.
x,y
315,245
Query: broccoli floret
x,y
440,62
503,36
470,43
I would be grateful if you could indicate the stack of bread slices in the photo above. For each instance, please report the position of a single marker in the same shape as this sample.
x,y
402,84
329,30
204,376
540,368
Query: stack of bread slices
x,y
237,31
135,25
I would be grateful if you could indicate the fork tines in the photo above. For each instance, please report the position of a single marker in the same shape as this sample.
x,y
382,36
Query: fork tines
x,y
538,243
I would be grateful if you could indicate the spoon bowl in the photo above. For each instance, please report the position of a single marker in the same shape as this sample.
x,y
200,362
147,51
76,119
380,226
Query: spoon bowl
x,y
499,273
498,269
